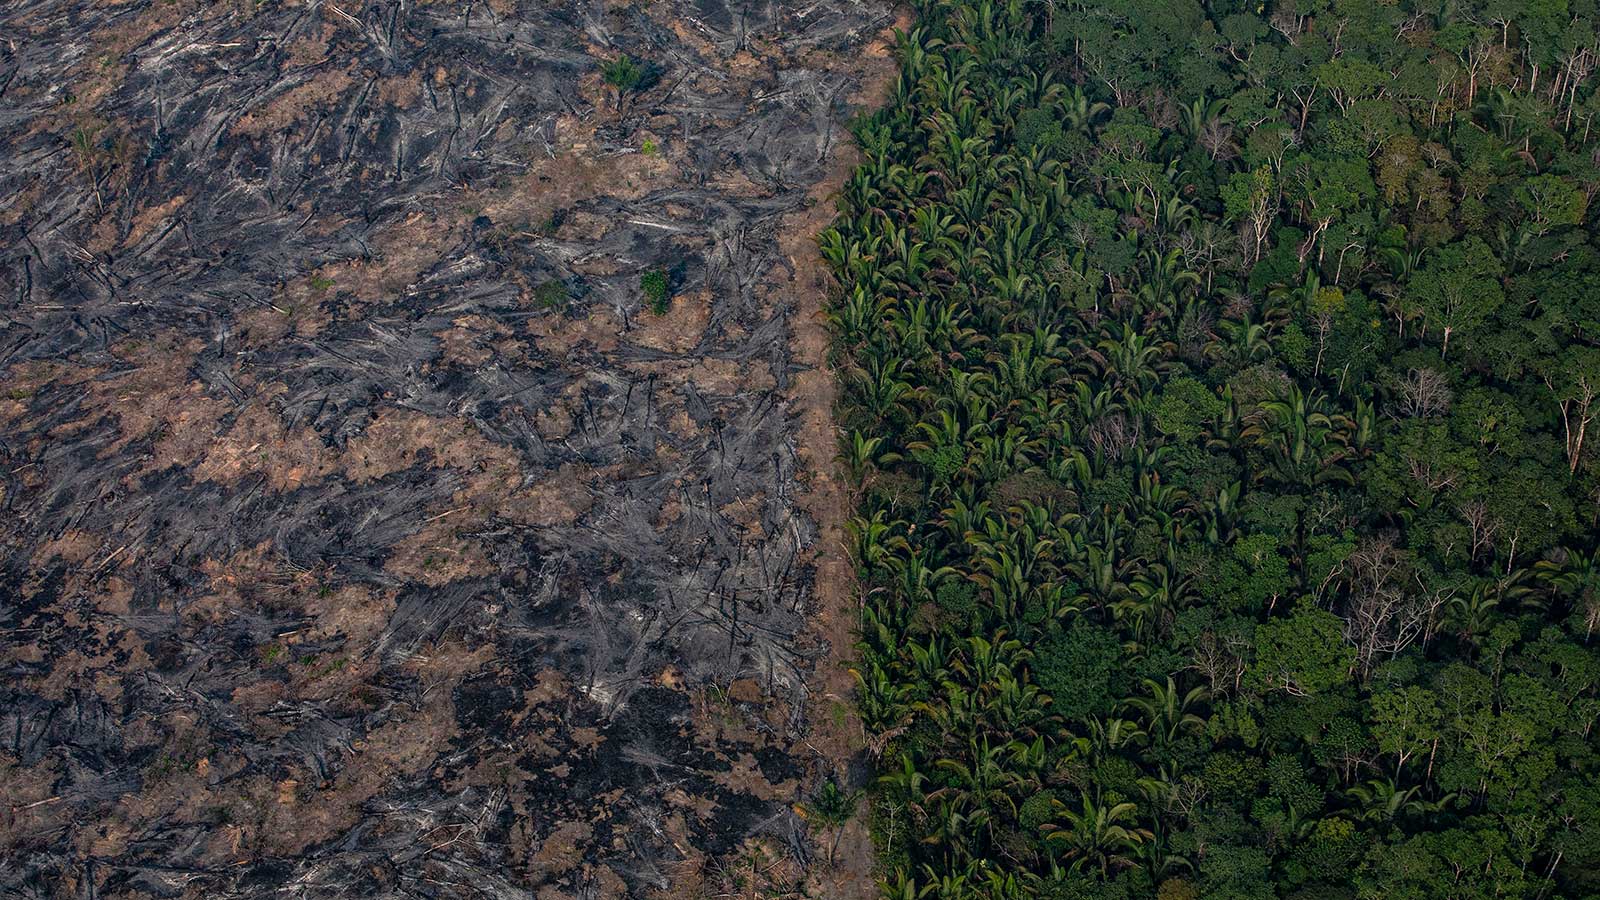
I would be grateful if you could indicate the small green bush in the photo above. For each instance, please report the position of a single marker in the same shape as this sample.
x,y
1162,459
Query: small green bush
x,y
629,76
624,74
657,292
552,294
959,598
1036,811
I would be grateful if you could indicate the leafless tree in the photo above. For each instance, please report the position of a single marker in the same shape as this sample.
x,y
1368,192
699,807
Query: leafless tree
x,y
1216,136
1577,402
1382,615
1187,796
1481,524
1429,472
1220,660
1195,331
1287,20
1113,435
1163,113
1591,615
1422,392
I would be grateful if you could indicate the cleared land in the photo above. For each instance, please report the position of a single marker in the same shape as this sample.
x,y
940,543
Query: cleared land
x,y
360,534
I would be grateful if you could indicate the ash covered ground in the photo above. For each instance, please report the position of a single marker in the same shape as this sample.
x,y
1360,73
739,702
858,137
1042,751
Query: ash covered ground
x,y
360,534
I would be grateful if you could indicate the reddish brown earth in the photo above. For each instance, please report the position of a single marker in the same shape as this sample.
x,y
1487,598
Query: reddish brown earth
x,y
334,560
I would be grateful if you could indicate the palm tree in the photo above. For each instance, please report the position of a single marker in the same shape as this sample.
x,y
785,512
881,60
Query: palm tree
x,y
1382,800
880,696
883,392
1079,113
1100,837
625,76
907,782
1165,712
831,808
1247,340
1106,736
1305,440
863,455
983,785
1157,858
875,539
1159,590
1578,578
860,315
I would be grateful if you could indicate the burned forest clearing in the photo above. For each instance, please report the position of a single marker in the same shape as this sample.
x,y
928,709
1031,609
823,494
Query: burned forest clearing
x,y
415,448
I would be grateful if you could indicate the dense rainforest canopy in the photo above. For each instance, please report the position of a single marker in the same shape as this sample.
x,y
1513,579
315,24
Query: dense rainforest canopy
x,y
1220,385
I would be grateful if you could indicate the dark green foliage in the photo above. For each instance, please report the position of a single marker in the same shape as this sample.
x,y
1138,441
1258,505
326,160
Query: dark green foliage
x,y
1040,128
958,598
1081,669
623,73
1229,521
629,76
830,809
1301,654
657,291
552,294
1036,811
1186,408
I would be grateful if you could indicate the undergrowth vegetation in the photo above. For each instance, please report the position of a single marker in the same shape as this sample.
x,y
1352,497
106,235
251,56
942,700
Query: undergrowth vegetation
x,y
1218,386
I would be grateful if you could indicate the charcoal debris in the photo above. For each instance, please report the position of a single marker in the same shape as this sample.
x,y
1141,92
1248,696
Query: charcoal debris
x,y
337,558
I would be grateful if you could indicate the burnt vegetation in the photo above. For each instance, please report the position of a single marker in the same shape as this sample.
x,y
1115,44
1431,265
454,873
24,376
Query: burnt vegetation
x,y
361,534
